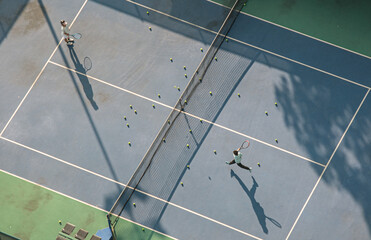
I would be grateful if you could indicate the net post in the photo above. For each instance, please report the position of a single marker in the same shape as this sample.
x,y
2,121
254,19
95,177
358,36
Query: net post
x,y
111,226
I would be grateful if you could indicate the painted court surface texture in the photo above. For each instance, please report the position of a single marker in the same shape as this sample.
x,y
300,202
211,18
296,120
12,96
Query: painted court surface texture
x,y
65,128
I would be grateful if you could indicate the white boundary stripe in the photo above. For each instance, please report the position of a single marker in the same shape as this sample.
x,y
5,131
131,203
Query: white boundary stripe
x,y
170,16
257,140
29,90
189,114
38,76
78,13
328,163
300,63
198,214
77,200
258,48
111,85
111,180
295,31
62,161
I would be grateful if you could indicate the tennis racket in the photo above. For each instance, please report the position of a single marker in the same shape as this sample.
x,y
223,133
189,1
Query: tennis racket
x,y
76,35
87,64
245,144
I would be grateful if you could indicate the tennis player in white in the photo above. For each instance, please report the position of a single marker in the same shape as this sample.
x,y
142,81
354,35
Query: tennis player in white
x,y
237,159
65,31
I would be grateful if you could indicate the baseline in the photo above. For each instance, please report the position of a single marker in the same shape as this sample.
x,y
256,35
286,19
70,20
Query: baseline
x,y
328,163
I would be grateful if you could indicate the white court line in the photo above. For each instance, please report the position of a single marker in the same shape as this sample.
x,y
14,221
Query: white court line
x,y
62,161
295,31
111,85
189,114
88,171
116,182
29,90
170,16
198,214
38,76
257,140
253,46
300,63
328,163
77,200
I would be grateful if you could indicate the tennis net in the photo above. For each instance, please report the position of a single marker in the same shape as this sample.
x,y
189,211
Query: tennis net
x,y
165,160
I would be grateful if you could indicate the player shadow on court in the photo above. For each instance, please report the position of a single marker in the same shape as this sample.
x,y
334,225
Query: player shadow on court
x,y
183,155
83,78
258,209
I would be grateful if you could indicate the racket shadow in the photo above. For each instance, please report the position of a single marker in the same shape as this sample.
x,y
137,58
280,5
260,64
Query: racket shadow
x,y
277,224
258,209
81,74
87,64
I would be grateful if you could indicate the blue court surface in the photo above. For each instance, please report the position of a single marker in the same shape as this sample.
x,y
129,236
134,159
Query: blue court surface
x,y
83,132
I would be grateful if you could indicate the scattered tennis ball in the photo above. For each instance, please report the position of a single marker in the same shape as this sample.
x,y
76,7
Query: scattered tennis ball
x,y
276,104
129,143
168,121
200,79
259,164
185,101
187,145
188,166
147,13
190,130
185,75
216,59
214,151
238,95
164,140
181,183
266,113
171,59
135,111
184,67
201,120
153,105
143,229
211,93
60,222
125,118
178,88
127,124
131,106
201,49
150,28
276,140
134,204
226,39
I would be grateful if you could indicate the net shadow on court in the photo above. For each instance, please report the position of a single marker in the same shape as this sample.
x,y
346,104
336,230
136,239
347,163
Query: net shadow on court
x,y
177,143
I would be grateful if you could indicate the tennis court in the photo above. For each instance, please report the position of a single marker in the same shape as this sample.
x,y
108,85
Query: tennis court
x,y
137,119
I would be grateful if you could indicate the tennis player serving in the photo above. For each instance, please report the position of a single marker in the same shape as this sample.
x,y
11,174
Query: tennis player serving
x,y
237,156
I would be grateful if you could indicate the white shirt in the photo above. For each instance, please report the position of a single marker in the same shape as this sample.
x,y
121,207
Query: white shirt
x,y
65,30
237,158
